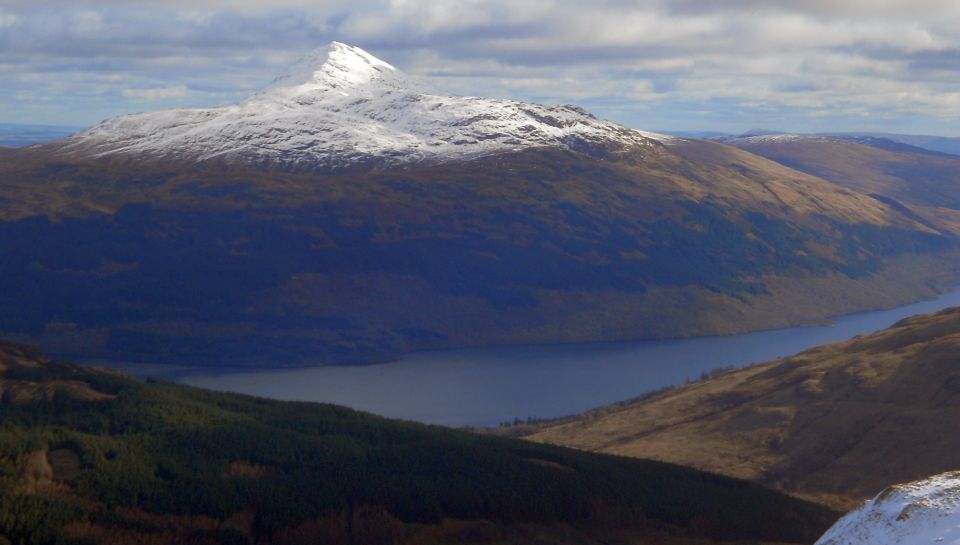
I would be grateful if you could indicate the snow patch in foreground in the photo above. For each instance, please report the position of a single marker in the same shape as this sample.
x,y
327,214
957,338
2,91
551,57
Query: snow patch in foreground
x,y
917,513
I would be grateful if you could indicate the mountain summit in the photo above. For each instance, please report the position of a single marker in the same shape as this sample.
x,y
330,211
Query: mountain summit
x,y
339,107
344,68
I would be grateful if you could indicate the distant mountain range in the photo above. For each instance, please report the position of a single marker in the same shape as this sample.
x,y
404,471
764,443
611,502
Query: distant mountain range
x,y
942,144
14,135
938,144
349,213
835,424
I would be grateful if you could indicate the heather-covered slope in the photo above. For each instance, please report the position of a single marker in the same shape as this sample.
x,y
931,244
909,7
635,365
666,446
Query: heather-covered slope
x,y
836,424
89,456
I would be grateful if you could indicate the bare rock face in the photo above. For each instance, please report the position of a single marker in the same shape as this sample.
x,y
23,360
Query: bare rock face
x,y
917,513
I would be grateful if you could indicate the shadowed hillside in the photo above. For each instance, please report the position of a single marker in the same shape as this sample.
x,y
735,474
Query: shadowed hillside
x,y
349,213
167,262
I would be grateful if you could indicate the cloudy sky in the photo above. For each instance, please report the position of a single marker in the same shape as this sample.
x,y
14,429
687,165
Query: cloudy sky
x,y
725,65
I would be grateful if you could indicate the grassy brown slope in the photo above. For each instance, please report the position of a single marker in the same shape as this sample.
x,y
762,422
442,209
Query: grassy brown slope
x,y
916,177
689,170
835,424
652,184
94,457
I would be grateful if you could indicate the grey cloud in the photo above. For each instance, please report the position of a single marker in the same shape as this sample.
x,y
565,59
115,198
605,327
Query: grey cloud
x,y
946,62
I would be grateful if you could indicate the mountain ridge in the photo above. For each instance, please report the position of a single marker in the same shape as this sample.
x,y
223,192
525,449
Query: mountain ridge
x,y
339,107
913,175
949,145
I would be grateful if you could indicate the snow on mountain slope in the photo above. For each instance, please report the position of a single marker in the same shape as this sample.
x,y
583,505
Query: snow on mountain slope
x,y
917,513
340,106
772,139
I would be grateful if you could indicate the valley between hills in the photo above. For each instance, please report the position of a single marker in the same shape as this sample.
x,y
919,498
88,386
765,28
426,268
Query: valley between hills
x,y
92,456
835,424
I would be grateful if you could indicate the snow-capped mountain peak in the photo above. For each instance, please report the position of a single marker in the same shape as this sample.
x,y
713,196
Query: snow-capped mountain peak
x,y
921,512
340,106
343,68
336,65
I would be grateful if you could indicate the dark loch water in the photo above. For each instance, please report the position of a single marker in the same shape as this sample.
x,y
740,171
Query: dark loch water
x,y
492,385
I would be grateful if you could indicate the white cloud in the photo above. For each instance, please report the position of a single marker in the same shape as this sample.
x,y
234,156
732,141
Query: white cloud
x,y
157,93
732,58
